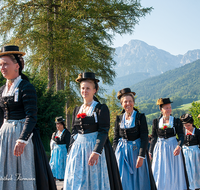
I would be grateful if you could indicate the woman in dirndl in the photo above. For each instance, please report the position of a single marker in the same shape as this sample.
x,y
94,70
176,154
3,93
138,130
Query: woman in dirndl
x,y
168,162
91,163
24,164
59,145
130,145
191,151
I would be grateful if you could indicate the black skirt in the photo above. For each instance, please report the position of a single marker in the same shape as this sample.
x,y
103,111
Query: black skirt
x,y
44,176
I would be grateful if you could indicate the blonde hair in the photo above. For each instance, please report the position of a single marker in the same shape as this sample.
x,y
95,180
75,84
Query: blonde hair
x,y
128,94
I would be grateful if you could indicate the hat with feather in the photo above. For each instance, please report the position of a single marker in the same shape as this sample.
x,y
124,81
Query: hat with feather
x,y
59,119
162,101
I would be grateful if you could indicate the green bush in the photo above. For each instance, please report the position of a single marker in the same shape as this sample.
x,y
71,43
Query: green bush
x,y
195,111
50,105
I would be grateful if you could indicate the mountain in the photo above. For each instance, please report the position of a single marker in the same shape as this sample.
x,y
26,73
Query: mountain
x,y
182,82
190,56
138,56
137,61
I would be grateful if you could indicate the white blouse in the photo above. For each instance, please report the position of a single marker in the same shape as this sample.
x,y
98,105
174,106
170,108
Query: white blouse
x,y
169,125
13,88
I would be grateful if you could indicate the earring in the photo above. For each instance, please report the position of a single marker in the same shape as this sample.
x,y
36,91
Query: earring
x,y
16,70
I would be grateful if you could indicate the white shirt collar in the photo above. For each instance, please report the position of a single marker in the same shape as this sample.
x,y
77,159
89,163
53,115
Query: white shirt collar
x,y
90,110
186,131
14,85
169,125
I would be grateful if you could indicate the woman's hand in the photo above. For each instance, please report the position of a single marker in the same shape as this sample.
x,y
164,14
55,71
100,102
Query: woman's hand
x,y
19,148
150,157
139,162
93,159
177,151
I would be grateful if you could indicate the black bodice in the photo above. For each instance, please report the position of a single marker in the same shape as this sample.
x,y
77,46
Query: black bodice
x,y
65,138
131,134
88,125
24,108
85,125
166,133
12,110
190,140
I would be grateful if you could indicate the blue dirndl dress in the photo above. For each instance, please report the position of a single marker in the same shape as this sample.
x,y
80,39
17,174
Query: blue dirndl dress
x,y
127,152
78,174
168,170
132,178
191,153
58,158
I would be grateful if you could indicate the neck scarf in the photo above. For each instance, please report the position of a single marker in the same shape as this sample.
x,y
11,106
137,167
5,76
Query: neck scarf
x,y
125,124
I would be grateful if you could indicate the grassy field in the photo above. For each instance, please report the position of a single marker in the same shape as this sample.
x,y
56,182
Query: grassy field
x,y
186,106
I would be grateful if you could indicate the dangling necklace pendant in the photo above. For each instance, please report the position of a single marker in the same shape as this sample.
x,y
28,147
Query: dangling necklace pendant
x,y
10,81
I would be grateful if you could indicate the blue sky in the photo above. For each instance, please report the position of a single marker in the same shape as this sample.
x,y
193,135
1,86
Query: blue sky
x,y
173,25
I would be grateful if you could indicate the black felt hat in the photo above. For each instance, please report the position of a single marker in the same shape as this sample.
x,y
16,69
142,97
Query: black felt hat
x,y
59,119
186,118
86,76
11,49
125,91
162,101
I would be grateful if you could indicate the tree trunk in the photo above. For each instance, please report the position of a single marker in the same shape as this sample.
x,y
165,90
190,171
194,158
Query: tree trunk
x,y
68,118
50,76
50,46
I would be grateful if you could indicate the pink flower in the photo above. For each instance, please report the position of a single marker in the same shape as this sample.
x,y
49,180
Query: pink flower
x,y
82,115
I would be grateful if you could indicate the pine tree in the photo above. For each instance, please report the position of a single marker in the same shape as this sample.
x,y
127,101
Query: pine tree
x,y
64,38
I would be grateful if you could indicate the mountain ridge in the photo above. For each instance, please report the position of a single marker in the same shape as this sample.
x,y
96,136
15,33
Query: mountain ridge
x,y
139,57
